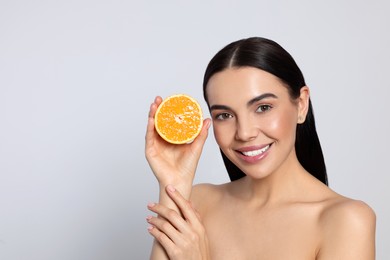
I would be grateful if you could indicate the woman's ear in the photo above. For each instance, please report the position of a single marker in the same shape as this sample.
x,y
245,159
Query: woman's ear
x,y
303,104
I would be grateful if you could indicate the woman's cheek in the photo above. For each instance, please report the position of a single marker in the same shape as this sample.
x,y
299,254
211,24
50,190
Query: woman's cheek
x,y
278,125
217,134
281,125
221,134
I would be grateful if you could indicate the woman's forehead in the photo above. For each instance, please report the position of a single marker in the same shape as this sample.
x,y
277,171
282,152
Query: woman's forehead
x,y
242,84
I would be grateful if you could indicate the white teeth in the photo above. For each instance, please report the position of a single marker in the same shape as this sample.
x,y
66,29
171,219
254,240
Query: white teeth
x,y
256,152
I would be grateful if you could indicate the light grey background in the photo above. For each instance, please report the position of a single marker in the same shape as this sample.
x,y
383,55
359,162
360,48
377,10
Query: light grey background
x,y
76,81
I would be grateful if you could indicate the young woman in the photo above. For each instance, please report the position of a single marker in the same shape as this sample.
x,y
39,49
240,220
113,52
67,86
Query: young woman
x,y
278,204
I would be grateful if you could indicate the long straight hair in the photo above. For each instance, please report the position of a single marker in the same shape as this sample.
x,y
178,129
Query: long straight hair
x,y
269,56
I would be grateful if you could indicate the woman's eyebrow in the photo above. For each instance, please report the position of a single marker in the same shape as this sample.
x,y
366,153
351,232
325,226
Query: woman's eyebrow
x,y
219,107
258,98
249,103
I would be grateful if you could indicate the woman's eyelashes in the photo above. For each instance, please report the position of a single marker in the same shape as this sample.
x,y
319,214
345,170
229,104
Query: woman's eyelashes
x,y
223,116
263,108
227,115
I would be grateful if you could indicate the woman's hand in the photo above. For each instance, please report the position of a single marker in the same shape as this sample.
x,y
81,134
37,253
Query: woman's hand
x,y
182,236
172,163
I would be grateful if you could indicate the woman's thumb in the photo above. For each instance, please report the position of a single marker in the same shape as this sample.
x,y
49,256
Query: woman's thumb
x,y
201,138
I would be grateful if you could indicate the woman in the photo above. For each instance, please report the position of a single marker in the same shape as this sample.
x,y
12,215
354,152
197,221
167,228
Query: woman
x,y
278,204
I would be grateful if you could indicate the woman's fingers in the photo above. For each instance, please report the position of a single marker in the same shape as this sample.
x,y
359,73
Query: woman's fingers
x,y
152,112
161,237
167,217
180,235
201,138
150,131
150,126
153,107
158,100
164,226
169,225
184,205
204,132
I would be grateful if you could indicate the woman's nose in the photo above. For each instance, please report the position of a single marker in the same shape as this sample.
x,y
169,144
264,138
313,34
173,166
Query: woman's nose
x,y
246,130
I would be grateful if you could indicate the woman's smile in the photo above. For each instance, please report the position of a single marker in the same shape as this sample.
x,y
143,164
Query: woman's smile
x,y
253,154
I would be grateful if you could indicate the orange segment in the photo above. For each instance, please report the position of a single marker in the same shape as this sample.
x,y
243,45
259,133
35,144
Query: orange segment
x,y
178,119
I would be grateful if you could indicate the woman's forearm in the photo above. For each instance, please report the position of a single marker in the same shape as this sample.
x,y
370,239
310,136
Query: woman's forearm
x,y
158,252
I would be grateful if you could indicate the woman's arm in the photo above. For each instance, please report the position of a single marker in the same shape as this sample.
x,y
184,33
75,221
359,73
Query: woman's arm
x,y
171,164
182,235
158,252
348,232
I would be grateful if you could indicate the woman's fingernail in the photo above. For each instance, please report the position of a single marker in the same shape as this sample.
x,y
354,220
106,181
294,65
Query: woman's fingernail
x,y
150,228
148,218
208,124
171,188
151,204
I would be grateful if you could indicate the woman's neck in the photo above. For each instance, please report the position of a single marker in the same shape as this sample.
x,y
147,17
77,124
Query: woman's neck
x,y
286,184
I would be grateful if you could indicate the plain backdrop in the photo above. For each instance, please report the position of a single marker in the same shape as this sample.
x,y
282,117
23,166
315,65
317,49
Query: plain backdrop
x,y
77,79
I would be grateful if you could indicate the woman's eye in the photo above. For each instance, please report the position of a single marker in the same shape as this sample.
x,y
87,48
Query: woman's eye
x,y
263,108
223,116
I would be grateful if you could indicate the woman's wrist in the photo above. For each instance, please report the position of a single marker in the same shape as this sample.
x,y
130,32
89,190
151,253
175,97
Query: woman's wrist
x,y
184,189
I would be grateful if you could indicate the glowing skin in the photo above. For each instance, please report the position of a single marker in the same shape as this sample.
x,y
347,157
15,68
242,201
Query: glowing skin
x,y
279,210
254,119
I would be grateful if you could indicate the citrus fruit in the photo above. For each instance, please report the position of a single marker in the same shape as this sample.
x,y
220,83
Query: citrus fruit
x,y
178,119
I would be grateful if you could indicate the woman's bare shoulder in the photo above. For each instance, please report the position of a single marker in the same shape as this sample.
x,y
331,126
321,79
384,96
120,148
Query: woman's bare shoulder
x,y
347,229
338,209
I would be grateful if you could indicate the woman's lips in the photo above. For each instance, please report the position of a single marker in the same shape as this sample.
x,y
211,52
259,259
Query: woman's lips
x,y
253,154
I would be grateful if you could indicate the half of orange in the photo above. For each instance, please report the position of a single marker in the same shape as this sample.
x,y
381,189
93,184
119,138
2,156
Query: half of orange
x,y
179,119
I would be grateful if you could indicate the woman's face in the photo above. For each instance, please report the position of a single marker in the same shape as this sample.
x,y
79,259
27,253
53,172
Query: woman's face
x,y
254,119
